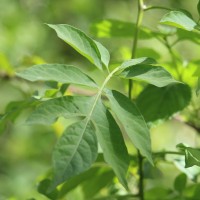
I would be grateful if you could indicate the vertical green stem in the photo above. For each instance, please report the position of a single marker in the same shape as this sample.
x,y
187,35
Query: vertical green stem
x,y
134,47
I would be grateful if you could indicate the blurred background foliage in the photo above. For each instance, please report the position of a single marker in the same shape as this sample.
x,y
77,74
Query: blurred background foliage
x,y
25,40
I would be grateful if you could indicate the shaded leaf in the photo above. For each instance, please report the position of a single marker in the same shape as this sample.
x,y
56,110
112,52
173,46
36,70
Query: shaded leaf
x,y
160,103
43,189
75,151
198,7
132,121
111,142
57,72
80,42
178,19
180,182
154,75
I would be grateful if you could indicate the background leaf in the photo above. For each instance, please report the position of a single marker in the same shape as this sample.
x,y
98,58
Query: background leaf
x,y
180,182
57,72
160,103
80,42
198,7
132,122
178,19
75,151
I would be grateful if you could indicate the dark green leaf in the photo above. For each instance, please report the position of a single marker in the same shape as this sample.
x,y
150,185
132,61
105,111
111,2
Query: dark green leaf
x,y
112,142
57,72
160,103
180,182
43,189
132,122
81,43
178,19
198,7
154,75
75,151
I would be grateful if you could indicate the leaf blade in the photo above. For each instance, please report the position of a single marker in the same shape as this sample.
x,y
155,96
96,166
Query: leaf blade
x,y
178,19
79,41
75,151
132,122
57,72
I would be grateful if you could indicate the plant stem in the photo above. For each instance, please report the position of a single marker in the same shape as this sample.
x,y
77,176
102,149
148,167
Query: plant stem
x,y
134,47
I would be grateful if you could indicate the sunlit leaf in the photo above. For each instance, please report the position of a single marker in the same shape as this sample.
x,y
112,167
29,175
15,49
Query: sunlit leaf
x,y
137,61
75,151
180,182
57,72
160,103
178,19
192,157
114,28
80,42
132,122
154,75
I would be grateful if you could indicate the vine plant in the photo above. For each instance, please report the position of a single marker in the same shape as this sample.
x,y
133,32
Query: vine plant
x,y
110,118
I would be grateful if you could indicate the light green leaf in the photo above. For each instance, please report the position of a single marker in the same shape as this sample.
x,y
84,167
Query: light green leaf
x,y
136,61
57,72
160,103
154,75
178,19
105,55
75,151
180,182
80,42
132,122
114,28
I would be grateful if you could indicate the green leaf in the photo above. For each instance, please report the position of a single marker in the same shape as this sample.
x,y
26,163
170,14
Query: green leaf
x,y
114,28
111,142
132,122
198,87
81,43
192,157
180,182
178,19
105,55
160,103
108,133
154,75
67,106
43,189
57,72
75,151
136,61
198,7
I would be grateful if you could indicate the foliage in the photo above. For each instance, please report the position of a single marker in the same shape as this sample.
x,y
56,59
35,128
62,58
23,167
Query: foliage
x,y
105,148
